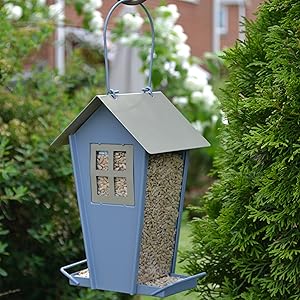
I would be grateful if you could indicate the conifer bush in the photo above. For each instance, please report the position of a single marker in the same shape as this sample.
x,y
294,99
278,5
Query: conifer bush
x,y
249,243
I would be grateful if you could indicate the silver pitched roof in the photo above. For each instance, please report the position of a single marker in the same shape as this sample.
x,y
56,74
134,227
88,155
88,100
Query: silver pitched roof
x,y
153,121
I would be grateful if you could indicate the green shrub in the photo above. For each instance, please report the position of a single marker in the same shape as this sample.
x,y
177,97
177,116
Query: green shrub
x,y
250,241
43,223
17,41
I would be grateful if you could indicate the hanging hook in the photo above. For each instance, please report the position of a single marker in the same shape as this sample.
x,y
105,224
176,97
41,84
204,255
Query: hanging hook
x,y
148,88
133,2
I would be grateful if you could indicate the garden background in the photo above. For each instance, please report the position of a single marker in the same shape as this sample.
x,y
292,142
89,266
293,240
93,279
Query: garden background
x,y
244,233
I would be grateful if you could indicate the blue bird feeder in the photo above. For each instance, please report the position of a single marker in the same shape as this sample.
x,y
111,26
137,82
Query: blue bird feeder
x,y
130,161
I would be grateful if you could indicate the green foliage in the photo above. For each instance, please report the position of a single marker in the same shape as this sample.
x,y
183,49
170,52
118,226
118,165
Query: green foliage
x,y
17,42
83,71
249,243
214,63
86,294
43,222
8,172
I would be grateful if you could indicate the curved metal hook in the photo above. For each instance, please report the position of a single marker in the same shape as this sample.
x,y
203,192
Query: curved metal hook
x,y
133,2
148,88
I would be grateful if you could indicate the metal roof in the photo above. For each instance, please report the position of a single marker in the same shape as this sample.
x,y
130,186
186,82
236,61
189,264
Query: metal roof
x,y
153,121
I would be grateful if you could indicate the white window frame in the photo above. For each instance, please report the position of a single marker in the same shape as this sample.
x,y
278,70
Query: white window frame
x,y
223,21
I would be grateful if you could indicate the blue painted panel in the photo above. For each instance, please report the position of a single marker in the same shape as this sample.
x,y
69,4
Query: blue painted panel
x,y
79,191
111,232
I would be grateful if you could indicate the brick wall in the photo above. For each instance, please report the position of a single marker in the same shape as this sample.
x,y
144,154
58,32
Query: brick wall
x,y
251,8
196,18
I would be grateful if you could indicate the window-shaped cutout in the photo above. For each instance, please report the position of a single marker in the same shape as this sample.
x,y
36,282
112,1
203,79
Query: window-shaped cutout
x,y
120,187
102,185
119,160
111,174
102,160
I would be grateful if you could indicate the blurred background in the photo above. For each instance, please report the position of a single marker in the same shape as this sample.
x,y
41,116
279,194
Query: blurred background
x,y
51,65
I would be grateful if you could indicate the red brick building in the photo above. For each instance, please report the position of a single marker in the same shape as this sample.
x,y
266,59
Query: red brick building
x,y
211,25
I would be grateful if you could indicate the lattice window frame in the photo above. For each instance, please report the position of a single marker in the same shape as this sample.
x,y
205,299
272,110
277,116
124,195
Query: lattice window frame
x,y
111,198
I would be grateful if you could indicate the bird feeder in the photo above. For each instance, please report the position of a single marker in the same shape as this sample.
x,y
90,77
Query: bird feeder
x,y
130,161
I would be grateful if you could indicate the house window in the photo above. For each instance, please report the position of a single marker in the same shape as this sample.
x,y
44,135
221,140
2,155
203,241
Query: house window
x,y
223,19
112,174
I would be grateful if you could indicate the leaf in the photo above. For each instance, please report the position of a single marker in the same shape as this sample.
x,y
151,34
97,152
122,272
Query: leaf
x,y
3,273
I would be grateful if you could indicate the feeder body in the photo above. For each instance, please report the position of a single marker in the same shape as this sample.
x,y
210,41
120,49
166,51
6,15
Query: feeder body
x,y
130,167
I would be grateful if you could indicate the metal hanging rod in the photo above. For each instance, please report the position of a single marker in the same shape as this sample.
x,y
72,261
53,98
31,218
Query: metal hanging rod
x,y
148,88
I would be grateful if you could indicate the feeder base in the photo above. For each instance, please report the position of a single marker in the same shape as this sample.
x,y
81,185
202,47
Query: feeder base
x,y
164,287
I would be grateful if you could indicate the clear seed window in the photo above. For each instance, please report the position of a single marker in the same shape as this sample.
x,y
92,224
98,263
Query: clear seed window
x,y
112,174
164,184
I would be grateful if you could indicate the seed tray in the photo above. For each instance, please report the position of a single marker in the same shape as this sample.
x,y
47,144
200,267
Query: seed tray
x,y
164,287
